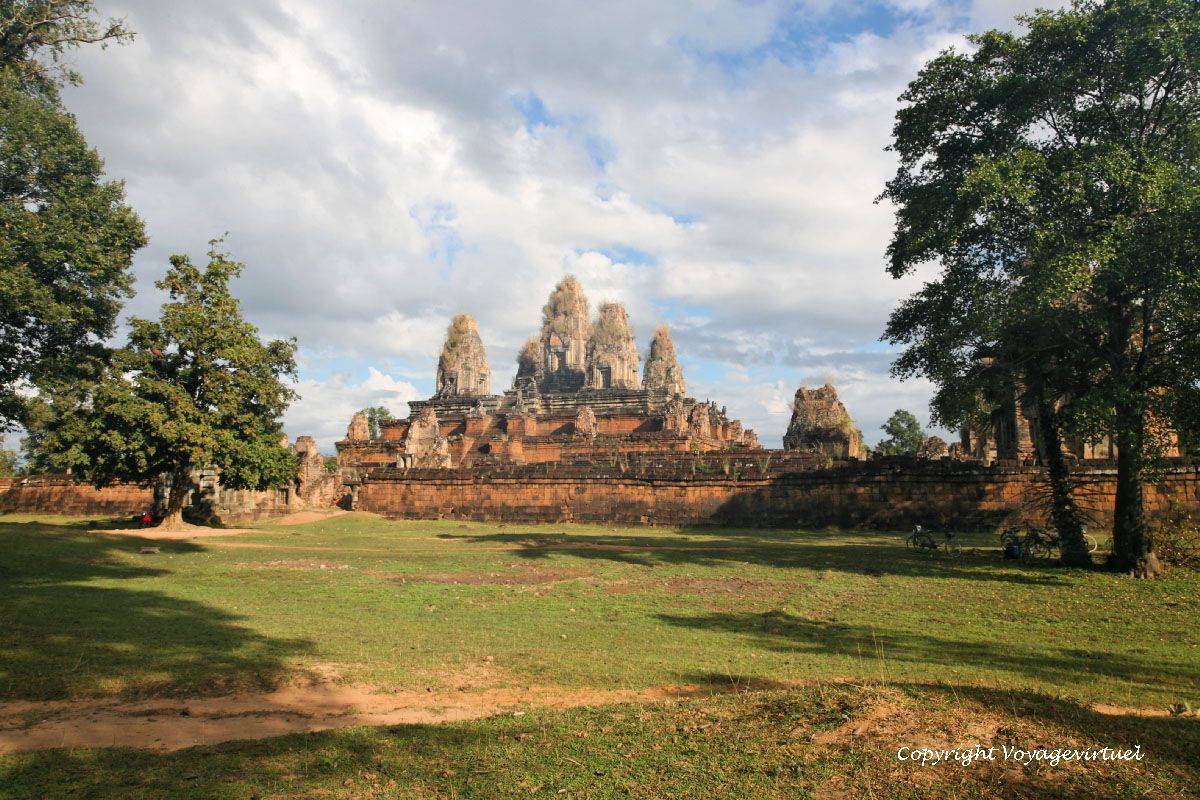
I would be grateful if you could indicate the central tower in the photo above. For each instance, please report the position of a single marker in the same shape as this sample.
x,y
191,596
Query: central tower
x,y
564,338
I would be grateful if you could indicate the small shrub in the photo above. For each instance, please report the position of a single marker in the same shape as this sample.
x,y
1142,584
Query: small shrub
x,y
1177,542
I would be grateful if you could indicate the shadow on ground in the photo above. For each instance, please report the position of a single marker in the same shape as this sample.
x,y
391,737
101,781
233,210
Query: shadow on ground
x,y
782,631
850,552
69,628
734,744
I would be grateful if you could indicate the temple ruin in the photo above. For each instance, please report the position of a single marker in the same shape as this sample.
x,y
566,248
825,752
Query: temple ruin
x,y
577,395
463,368
821,424
1007,431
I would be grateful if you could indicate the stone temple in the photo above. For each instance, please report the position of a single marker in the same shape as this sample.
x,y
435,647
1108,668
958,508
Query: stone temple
x,y
577,395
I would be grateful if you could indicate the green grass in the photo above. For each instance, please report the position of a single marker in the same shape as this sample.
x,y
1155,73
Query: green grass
x,y
785,744
420,604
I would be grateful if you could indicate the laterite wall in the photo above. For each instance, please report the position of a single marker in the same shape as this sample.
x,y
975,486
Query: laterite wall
x,y
865,494
59,496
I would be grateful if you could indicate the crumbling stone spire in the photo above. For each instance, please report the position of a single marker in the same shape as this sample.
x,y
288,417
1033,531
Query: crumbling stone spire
x,y
821,424
530,361
613,359
662,367
565,336
463,368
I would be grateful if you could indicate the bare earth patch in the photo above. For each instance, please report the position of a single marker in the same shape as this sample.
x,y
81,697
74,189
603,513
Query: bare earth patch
x,y
305,517
172,534
314,705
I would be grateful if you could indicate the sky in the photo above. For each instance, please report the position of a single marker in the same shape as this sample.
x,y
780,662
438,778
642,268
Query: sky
x,y
382,166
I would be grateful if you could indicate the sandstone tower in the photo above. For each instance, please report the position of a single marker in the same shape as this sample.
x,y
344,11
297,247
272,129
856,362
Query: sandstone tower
x,y
612,356
821,424
565,338
531,363
463,368
662,367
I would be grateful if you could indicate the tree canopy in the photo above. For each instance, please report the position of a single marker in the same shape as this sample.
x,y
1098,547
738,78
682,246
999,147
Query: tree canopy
x,y
1054,177
193,389
35,35
376,415
67,237
904,435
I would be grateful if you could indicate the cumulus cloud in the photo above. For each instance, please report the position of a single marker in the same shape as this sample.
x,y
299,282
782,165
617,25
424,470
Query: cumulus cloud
x,y
381,166
325,406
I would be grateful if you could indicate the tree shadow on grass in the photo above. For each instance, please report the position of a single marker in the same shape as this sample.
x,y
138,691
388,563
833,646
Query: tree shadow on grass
x,y
1174,739
69,629
781,631
850,552
667,750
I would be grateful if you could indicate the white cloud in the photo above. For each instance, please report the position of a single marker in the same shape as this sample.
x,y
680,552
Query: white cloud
x,y
325,406
712,166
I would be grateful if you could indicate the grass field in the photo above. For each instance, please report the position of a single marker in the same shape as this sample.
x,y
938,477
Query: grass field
x,y
825,633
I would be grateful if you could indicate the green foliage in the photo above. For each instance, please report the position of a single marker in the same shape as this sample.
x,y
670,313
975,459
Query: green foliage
x,y
1177,541
67,240
36,35
1055,179
195,388
376,415
738,740
9,464
904,435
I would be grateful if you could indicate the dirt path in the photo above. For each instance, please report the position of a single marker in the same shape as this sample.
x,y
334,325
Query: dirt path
x,y
168,724
305,517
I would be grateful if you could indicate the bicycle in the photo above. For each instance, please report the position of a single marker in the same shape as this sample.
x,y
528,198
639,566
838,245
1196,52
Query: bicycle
x,y
923,541
1037,543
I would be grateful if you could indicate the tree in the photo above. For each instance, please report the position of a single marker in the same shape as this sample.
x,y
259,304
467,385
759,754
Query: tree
x,y
34,31
9,464
376,415
67,238
1053,177
194,389
905,435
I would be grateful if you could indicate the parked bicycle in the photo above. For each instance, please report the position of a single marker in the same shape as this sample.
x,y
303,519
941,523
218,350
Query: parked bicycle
x,y
926,541
1036,543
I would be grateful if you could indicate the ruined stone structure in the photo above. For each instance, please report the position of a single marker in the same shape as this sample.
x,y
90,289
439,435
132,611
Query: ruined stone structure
x,y
316,486
564,339
758,488
1009,434
933,447
821,424
790,489
463,368
359,429
612,360
575,397
662,371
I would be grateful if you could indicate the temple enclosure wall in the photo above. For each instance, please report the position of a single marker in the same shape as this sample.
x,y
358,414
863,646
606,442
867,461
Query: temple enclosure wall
x,y
884,495
62,496
706,489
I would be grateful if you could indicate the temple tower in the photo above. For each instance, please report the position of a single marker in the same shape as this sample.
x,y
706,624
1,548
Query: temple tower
x,y
463,368
662,367
531,364
564,338
821,424
612,356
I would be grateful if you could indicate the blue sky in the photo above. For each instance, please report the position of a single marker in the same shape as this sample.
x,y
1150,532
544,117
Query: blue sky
x,y
381,167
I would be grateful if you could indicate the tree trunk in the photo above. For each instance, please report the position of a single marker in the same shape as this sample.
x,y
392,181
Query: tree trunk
x,y
175,500
1131,541
1064,512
